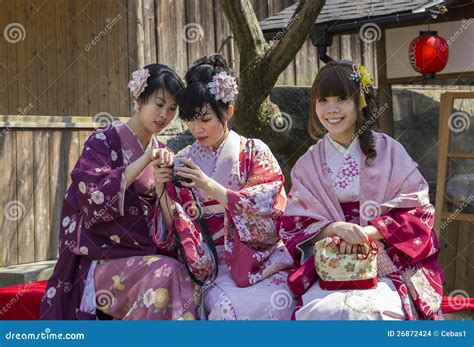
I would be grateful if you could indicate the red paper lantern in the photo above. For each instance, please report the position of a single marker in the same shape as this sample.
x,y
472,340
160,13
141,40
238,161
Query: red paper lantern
x,y
428,53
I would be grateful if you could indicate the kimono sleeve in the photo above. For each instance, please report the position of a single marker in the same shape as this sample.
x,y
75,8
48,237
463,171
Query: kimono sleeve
x,y
256,209
100,181
297,231
410,231
162,237
198,255
185,231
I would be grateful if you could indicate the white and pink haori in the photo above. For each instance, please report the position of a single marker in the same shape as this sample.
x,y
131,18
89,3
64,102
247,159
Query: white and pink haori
x,y
333,183
252,260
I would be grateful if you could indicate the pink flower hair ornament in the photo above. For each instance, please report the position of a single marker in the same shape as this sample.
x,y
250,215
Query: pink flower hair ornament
x,y
223,87
138,84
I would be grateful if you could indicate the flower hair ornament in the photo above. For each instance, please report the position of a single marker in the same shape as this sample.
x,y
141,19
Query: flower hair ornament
x,y
138,84
223,87
361,75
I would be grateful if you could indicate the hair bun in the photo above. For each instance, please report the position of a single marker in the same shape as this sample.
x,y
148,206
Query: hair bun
x,y
215,60
204,68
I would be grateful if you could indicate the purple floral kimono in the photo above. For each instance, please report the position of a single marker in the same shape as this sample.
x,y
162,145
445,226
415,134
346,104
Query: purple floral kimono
x,y
107,259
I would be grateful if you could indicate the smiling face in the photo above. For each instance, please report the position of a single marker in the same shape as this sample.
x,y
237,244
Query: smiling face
x,y
158,112
338,115
335,103
208,129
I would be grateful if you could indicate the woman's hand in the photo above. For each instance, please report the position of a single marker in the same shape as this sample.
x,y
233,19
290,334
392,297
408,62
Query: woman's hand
x,y
160,157
351,236
161,176
162,162
199,179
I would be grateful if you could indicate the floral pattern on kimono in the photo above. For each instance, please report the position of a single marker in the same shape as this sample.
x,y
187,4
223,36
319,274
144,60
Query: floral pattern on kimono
x,y
150,287
252,247
251,255
410,242
100,220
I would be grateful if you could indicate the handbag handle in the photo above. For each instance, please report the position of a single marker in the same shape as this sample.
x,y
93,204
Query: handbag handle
x,y
373,250
373,247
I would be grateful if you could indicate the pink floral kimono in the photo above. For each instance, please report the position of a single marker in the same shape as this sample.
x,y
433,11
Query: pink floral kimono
x,y
252,260
107,259
332,183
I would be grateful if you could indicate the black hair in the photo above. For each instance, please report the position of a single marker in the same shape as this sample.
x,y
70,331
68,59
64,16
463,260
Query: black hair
x,y
196,97
162,77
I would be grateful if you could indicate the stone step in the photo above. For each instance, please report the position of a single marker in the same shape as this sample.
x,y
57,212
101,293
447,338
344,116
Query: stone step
x,y
25,273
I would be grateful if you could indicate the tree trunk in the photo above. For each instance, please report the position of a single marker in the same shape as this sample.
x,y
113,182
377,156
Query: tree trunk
x,y
260,65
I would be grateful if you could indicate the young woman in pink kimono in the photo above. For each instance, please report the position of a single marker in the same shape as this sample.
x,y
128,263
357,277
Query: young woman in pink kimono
x,y
107,259
239,186
355,183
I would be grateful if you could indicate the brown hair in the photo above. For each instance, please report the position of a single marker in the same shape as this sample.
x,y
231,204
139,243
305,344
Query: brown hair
x,y
334,79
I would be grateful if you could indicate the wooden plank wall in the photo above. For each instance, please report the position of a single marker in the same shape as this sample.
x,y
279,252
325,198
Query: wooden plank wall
x,y
35,167
206,21
60,72
76,57
457,257
72,60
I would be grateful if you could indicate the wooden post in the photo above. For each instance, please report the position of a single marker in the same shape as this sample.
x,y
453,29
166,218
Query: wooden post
x,y
140,33
384,91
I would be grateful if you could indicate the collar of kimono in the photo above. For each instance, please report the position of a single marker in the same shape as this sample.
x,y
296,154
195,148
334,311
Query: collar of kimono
x,y
226,164
340,148
381,186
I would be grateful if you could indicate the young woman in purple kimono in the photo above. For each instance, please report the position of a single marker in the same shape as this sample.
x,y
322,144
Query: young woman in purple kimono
x,y
356,183
238,184
107,259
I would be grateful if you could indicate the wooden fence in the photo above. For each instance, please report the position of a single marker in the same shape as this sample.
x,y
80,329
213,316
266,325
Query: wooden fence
x,y
74,60
35,166
75,57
